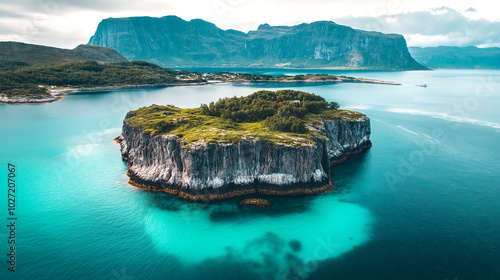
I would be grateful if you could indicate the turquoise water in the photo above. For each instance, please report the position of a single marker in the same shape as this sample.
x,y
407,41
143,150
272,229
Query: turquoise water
x,y
422,203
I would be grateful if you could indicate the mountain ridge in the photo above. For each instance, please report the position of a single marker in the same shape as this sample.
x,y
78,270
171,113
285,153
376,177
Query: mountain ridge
x,y
452,57
173,42
39,54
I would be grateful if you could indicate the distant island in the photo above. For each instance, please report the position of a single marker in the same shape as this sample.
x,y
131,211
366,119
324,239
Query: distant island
x,y
36,74
457,57
175,43
272,143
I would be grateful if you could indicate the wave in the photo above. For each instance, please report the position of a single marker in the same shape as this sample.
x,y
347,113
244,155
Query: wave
x,y
407,130
444,116
357,106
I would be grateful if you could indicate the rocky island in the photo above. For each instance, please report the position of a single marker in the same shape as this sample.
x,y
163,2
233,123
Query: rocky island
x,y
271,143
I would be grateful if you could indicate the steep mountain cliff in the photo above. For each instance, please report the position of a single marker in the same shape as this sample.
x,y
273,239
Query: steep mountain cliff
x,y
215,171
457,57
173,42
37,54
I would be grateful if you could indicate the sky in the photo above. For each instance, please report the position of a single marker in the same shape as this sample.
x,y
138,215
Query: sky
x,y
424,23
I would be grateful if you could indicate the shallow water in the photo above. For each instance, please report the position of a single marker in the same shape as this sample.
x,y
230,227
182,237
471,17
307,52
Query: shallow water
x,y
422,203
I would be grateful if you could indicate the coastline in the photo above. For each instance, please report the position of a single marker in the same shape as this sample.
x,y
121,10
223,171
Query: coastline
x,y
349,154
228,193
247,190
285,67
58,94
28,100
70,91
339,80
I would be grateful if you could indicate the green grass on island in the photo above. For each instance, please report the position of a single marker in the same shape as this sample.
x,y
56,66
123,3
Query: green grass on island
x,y
276,117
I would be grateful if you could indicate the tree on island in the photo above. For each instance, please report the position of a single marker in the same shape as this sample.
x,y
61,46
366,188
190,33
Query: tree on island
x,y
282,110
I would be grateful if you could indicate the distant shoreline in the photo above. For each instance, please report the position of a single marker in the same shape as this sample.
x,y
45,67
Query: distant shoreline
x,y
58,94
338,80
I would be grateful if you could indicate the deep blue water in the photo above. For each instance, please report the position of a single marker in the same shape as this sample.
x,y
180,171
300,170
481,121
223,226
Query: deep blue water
x,y
422,203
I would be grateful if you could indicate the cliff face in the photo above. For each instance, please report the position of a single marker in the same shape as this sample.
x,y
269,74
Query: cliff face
x,y
170,41
326,44
217,171
173,42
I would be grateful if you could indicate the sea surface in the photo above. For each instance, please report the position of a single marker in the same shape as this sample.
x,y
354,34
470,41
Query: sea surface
x,y
422,203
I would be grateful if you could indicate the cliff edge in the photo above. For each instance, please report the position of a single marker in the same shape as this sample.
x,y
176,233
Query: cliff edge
x,y
214,162
173,42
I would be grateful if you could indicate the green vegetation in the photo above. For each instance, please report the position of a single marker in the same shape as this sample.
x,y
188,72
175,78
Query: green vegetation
x,y
25,80
228,77
274,117
19,78
6,65
282,110
43,55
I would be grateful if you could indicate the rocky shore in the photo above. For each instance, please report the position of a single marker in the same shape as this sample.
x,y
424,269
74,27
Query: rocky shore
x,y
255,202
31,99
204,171
56,95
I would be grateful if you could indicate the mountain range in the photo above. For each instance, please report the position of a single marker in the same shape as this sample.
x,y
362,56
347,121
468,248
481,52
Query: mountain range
x,y
173,42
176,43
37,54
457,57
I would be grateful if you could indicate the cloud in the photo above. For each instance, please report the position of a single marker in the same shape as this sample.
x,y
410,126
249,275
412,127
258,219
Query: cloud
x,y
67,23
62,6
5,12
432,27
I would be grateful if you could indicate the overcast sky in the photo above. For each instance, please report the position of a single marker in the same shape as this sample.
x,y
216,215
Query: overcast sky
x,y
67,23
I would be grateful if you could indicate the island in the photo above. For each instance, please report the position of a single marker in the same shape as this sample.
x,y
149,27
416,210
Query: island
x,y
269,143
43,83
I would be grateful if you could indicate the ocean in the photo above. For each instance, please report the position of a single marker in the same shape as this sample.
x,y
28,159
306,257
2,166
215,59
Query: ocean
x,y
422,203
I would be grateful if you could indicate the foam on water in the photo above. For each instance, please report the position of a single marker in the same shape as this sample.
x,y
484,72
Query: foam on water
x,y
356,107
407,130
444,116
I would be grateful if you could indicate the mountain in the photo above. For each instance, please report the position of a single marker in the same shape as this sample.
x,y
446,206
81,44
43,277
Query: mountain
x,y
173,42
457,57
37,54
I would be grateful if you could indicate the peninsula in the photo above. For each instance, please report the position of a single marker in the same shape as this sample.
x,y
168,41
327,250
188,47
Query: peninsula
x,y
272,143
42,83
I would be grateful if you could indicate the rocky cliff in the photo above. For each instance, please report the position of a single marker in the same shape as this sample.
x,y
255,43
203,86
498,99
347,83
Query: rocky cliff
x,y
173,42
214,171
